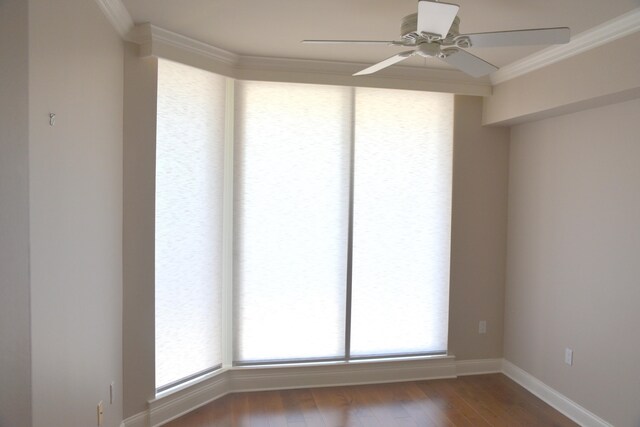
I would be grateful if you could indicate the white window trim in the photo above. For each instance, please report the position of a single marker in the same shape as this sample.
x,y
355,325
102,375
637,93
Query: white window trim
x,y
227,229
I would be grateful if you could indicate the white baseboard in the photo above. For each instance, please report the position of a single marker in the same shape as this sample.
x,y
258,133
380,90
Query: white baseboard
x,y
559,401
274,377
165,409
478,367
169,407
138,420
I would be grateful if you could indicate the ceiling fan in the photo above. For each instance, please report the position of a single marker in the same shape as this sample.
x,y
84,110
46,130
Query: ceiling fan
x,y
433,32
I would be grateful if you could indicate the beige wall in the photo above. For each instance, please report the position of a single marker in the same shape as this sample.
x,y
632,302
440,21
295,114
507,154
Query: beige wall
x,y
141,76
478,241
75,173
15,338
573,250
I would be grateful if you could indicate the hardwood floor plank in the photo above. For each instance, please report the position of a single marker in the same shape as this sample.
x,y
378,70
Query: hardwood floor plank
x,y
533,404
239,408
274,409
335,407
448,392
502,406
257,415
475,401
220,413
446,407
379,408
362,407
307,402
432,415
293,406
413,400
520,405
511,402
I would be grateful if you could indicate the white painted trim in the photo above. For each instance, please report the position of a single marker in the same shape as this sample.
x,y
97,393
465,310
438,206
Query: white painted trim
x,y
227,226
166,44
163,410
607,32
191,45
560,402
478,367
339,374
150,33
118,15
242,379
138,420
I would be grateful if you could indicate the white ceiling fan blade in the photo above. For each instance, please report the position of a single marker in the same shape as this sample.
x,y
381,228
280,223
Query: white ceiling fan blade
x,y
386,63
436,17
468,63
558,35
351,42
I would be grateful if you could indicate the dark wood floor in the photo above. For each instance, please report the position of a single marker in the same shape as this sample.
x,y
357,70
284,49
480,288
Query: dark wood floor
x,y
474,401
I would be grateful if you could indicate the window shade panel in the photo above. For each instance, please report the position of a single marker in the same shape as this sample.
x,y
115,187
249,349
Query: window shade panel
x,y
189,167
291,209
402,222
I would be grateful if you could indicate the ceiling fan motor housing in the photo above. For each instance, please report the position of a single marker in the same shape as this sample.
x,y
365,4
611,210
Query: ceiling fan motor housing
x,y
428,50
409,28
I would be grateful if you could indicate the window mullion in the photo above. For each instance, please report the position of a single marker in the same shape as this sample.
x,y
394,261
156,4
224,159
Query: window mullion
x,y
347,334
227,227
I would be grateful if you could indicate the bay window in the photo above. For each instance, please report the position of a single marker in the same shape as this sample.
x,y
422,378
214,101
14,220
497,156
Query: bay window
x,y
341,223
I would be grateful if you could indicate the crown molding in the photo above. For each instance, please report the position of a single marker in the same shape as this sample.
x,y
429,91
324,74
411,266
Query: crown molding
x,y
148,34
166,44
160,35
607,32
118,16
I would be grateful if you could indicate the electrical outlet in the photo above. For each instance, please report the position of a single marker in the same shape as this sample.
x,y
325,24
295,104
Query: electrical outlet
x,y
568,356
482,327
100,413
111,392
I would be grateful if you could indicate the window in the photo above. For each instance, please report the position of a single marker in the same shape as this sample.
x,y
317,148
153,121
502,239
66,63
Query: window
x,y
402,222
189,159
342,217
292,212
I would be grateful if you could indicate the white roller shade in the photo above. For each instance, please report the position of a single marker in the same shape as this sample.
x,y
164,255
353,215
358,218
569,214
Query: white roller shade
x,y
291,208
402,222
189,160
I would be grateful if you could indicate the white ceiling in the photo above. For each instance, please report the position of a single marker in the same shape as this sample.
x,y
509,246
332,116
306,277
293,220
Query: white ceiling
x,y
274,28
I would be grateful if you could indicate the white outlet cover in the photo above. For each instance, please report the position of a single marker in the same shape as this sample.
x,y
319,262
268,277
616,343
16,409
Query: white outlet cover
x,y
568,356
482,327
